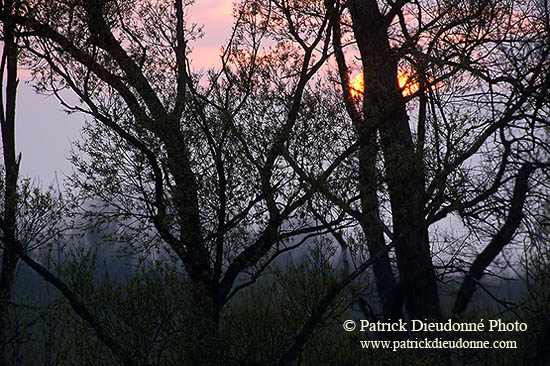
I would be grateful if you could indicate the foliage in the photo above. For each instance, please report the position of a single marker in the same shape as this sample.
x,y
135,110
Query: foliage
x,y
204,180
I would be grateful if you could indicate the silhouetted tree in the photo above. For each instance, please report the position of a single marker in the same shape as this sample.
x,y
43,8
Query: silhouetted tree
x,y
225,170
474,94
193,165
8,68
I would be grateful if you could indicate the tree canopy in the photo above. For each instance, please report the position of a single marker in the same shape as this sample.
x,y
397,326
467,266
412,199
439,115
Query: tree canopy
x,y
425,173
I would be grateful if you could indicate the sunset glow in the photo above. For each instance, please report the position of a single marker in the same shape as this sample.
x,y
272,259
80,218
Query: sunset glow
x,y
357,86
406,83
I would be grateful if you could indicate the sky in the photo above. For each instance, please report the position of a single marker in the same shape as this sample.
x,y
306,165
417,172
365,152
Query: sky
x,y
43,135
44,131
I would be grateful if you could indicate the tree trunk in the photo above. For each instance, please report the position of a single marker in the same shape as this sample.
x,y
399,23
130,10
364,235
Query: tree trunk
x,y
383,106
7,119
386,286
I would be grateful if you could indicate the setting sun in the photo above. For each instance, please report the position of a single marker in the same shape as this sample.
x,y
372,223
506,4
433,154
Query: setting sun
x,y
357,86
405,81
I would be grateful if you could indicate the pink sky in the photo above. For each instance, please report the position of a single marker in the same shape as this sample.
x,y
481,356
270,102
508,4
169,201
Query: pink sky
x,y
217,20
44,131
216,16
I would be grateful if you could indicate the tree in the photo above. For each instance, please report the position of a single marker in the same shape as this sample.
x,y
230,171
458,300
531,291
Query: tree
x,y
226,170
197,169
11,169
492,60
489,58
30,216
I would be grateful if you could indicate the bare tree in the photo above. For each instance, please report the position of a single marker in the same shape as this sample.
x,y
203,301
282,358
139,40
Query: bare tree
x,y
225,170
474,78
195,167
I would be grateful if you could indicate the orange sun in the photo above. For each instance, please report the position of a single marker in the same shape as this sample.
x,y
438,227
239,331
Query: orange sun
x,y
357,86
405,80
